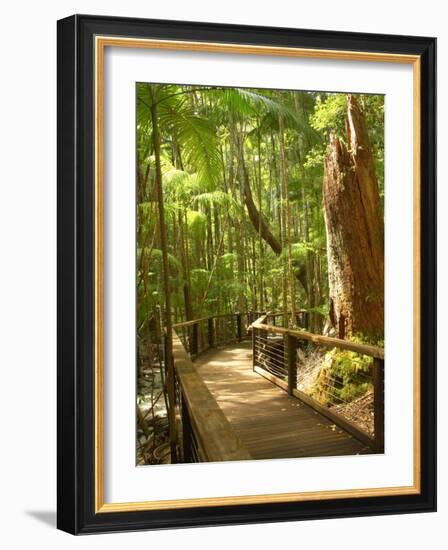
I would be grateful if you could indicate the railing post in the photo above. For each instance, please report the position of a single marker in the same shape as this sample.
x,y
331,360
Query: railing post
x,y
264,337
378,403
194,339
217,330
211,332
186,434
254,347
262,346
291,355
239,326
306,320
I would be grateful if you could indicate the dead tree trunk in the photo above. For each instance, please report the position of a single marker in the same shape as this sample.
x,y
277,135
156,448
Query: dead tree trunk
x,y
355,231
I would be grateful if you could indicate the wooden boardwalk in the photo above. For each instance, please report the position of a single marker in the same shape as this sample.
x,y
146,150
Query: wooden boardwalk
x,y
269,422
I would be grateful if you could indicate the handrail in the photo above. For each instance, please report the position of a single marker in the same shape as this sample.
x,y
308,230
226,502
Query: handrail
x,y
282,313
217,331
284,361
192,322
202,419
364,349
199,410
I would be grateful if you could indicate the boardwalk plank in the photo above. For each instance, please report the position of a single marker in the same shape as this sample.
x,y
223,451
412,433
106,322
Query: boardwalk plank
x,y
269,422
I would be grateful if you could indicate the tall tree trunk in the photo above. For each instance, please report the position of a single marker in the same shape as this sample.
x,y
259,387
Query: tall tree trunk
x,y
169,365
257,219
257,170
355,234
237,223
185,267
209,242
309,264
286,231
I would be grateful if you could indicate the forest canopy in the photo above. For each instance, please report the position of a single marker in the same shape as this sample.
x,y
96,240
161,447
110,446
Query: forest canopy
x,y
242,173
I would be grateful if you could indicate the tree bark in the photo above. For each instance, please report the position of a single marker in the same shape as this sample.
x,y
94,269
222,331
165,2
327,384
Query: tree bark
x,y
166,280
355,231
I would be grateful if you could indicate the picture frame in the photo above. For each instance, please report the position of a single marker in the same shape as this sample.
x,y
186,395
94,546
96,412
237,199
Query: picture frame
x,y
82,41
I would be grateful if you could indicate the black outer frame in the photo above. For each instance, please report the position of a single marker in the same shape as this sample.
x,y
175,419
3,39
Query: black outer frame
x,y
75,402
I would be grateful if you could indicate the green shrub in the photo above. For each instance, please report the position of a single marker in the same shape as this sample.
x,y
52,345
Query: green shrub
x,y
344,376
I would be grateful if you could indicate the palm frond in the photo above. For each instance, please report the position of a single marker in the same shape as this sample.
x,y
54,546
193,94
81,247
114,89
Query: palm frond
x,y
196,135
155,258
213,198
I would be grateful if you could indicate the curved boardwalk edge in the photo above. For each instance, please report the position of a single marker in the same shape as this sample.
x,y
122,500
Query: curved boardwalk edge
x,y
215,437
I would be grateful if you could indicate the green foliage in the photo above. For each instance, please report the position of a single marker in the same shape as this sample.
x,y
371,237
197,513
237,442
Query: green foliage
x,y
218,199
199,279
329,113
154,257
176,182
146,208
321,310
243,104
214,246
241,182
197,224
315,158
178,118
344,376
228,259
300,250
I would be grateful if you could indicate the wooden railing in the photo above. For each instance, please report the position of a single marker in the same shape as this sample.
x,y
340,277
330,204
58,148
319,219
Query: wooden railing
x,y
275,356
302,318
201,334
205,434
